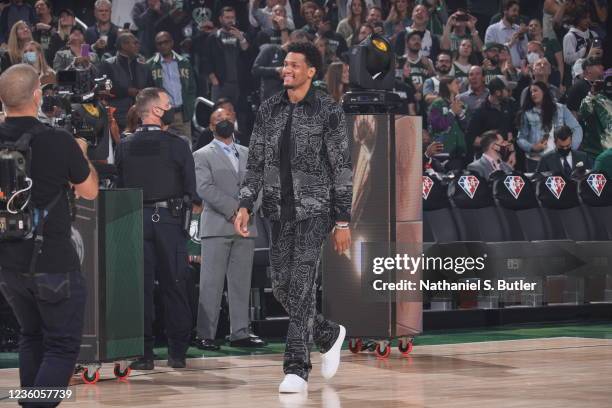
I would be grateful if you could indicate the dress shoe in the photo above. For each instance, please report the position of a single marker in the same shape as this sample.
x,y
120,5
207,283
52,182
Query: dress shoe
x,y
251,341
293,384
176,362
206,344
330,361
142,364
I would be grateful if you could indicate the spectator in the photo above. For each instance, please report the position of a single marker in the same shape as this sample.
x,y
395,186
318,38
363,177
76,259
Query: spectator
x,y
476,93
19,36
223,57
552,52
279,32
508,70
444,66
327,56
462,63
563,159
438,15
429,43
356,16
596,51
364,31
460,26
307,11
336,42
539,117
495,112
71,57
174,74
552,17
59,39
17,11
446,119
375,15
540,72
579,39
493,151
604,162
127,74
490,65
264,17
337,79
420,67
178,23
146,15
399,18
593,70
598,10
102,36
509,33
343,10
33,55
46,26
596,117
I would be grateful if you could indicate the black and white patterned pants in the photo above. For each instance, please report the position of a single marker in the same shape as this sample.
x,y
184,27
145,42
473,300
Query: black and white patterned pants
x,y
294,255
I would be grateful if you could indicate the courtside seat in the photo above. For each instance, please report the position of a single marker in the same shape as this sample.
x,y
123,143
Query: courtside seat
x,y
438,222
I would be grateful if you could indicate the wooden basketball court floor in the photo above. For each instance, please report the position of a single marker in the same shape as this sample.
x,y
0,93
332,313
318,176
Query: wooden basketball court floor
x,y
550,372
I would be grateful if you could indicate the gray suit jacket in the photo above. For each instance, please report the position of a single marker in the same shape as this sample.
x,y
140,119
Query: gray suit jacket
x,y
484,168
218,185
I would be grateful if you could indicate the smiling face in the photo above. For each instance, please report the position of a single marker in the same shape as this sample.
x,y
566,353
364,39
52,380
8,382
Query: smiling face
x,y
374,16
420,14
536,95
535,28
296,73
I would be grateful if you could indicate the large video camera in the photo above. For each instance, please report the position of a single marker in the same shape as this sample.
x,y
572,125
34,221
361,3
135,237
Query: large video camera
x,y
78,95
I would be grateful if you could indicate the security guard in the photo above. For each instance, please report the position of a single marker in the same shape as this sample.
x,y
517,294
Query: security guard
x,y
48,300
161,164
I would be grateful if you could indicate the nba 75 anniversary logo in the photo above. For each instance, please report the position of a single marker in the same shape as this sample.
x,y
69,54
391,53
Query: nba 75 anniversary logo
x,y
469,184
515,185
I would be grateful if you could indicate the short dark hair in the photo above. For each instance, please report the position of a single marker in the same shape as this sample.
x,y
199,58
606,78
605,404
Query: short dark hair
x,y
144,99
444,52
509,3
220,102
488,138
310,53
579,13
443,90
591,62
412,34
122,39
227,9
563,133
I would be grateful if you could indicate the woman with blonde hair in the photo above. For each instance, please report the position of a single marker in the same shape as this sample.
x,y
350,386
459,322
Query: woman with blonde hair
x,y
19,36
33,55
337,79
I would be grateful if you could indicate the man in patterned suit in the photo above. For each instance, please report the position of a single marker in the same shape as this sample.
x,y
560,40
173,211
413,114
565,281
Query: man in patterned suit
x,y
299,155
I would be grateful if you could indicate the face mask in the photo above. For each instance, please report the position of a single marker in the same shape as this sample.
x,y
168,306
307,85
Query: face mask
x,y
168,117
224,129
564,152
30,57
532,57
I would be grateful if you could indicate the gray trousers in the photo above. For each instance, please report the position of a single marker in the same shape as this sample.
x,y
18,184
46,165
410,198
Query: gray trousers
x,y
221,257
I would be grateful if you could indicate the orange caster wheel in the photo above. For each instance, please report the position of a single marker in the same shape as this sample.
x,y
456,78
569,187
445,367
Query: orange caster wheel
x,y
121,374
405,347
90,377
383,350
355,345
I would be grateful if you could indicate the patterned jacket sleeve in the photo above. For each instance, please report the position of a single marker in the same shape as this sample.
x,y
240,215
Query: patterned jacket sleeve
x,y
339,156
255,165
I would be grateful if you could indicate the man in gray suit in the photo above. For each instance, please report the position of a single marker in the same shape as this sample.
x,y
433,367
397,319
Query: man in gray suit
x,y
220,168
495,150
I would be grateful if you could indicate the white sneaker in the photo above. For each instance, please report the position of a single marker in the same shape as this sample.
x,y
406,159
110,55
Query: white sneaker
x,y
330,361
293,384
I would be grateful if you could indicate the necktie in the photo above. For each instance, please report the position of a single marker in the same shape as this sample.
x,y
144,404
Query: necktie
x,y
232,157
567,169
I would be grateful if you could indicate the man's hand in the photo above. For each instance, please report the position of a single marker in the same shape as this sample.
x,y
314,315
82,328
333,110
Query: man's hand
x,y
214,80
456,106
281,22
241,222
100,44
342,239
433,149
237,33
42,27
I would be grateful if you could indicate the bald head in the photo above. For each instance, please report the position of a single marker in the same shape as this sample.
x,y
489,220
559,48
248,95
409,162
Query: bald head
x,y
18,86
164,43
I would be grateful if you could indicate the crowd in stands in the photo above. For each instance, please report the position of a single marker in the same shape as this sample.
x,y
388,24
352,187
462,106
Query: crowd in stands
x,y
523,69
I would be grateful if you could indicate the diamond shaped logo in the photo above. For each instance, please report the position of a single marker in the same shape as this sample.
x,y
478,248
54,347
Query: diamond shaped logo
x,y
427,185
515,185
597,182
469,184
555,184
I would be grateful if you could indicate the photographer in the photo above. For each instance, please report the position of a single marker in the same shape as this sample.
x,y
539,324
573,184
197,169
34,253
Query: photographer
x,y
43,283
460,26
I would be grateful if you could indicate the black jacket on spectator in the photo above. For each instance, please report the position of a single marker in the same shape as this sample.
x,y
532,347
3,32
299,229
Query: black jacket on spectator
x,y
577,93
125,74
146,20
488,117
271,56
92,35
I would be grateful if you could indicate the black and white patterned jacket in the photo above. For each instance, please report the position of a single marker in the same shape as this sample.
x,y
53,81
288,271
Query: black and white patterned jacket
x,y
320,158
